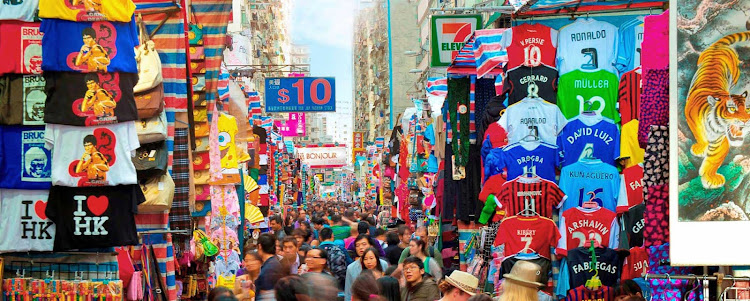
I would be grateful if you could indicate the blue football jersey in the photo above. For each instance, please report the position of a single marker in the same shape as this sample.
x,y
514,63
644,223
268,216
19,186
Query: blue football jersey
x,y
589,136
590,180
521,156
629,45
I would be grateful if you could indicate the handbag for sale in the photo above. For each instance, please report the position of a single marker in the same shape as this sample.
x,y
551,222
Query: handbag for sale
x,y
195,34
199,82
135,287
149,63
151,160
198,66
201,161
202,192
196,53
199,99
150,103
200,114
159,193
201,144
153,129
209,248
201,129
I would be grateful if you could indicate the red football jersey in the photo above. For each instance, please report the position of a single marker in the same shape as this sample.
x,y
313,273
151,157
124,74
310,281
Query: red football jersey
x,y
636,264
582,293
579,225
629,96
631,188
544,194
530,45
527,234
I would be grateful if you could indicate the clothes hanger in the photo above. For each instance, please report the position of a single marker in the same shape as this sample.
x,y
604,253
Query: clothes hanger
x,y
594,283
696,285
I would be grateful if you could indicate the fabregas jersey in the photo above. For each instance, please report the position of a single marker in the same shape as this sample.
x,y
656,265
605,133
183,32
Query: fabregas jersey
x,y
24,225
581,91
532,234
590,180
580,225
535,117
608,263
590,136
524,156
587,44
517,83
530,45
543,194
25,163
629,45
90,99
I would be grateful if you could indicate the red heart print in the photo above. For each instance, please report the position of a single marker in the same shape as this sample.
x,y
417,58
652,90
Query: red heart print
x,y
97,205
39,207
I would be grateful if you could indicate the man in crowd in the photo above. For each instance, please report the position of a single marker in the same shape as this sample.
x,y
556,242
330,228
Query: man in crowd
x,y
337,258
418,288
290,251
317,260
275,222
270,271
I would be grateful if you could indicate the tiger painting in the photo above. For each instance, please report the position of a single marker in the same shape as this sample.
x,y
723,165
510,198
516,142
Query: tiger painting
x,y
717,118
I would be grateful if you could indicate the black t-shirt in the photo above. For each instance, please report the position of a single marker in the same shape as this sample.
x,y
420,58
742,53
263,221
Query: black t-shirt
x,y
22,99
270,273
88,99
94,217
545,263
393,253
517,81
608,262
632,227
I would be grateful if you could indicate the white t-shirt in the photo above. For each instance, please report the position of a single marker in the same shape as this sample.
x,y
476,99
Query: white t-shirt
x,y
533,116
588,45
24,224
105,160
22,10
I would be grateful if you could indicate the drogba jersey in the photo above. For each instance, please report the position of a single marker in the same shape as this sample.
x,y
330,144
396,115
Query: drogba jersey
x,y
521,234
608,263
590,180
533,116
587,44
589,136
581,91
517,83
524,156
543,195
629,95
530,45
580,225
582,293
629,45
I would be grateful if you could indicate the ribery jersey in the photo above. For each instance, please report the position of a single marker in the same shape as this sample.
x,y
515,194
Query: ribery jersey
x,y
517,83
543,195
629,45
590,136
530,45
533,116
590,180
579,91
524,156
587,44
522,234
579,225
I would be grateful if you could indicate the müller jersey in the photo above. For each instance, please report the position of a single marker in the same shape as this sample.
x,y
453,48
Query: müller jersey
x,y
580,91
590,180
517,83
530,45
579,225
587,44
590,136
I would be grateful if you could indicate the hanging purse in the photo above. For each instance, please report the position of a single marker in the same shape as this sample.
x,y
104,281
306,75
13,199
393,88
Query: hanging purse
x,y
198,66
149,63
135,287
196,53
150,103
151,160
159,193
195,31
201,129
153,129
199,82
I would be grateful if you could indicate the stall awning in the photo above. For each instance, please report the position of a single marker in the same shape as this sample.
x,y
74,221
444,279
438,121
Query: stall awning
x,y
546,7
481,54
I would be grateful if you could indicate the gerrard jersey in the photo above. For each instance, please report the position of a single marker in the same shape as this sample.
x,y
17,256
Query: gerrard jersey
x,y
580,91
636,264
533,116
608,263
629,45
590,136
582,293
633,223
629,95
631,189
543,194
524,156
630,150
587,44
530,45
580,225
521,234
517,83
590,180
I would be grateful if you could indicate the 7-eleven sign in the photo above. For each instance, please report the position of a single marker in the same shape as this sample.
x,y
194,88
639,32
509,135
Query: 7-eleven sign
x,y
449,33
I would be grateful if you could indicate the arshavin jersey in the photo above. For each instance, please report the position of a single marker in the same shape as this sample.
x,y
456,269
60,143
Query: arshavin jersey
x,y
579,91
587,44
543,195
521,234
530,45
517,83
582,293
590,180
533,116
523,156
590,136
580,225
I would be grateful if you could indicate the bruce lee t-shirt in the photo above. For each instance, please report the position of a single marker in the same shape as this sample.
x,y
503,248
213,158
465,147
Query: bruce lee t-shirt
x,y
89,99
24,161
22,99
21,50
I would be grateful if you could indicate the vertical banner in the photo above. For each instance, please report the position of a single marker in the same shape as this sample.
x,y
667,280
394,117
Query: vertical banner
x,y
358,145
449,33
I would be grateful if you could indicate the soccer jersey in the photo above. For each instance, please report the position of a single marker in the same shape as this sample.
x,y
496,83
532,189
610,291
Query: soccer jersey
x,y
629,95
590,180
590,136
608,263
631,189
630,151
632,227
517,83
636,264
582,293
524,156
581,91
533,116
543,194
629,45
580,225
530,45
534,234
587,44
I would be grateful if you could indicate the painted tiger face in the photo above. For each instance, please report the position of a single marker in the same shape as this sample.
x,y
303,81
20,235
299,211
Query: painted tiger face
x,y
734,117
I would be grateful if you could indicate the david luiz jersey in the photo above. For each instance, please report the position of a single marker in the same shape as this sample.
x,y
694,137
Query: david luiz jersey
x,y
580,91
579,225
590,136
533,234
530,45
535,117
543,195
587,44
524,156
590,180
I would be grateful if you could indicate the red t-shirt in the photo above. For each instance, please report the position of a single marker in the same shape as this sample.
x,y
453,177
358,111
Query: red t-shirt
x,y
530,45
527,234
544,194
582,293
631,191
630,95
579,225
636,264
21,49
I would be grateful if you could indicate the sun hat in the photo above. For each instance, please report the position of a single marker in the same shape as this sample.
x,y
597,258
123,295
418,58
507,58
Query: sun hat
x,y
463,281
525,273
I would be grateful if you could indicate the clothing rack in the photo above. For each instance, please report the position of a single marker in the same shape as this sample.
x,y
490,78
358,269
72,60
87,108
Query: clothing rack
x,y
704,279
62,270
179,232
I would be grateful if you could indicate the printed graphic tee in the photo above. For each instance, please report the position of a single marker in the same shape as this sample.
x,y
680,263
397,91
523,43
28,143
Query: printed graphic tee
x,y
581,91
533,116
543,194
587,44
608,262
580,225
22,48
530,45
630,150
94,217
25,225
522,234
92,156
590,136
24,161
21,10
90,99
517,83
524,156
590,180
87,10
100,46
22,99
629,45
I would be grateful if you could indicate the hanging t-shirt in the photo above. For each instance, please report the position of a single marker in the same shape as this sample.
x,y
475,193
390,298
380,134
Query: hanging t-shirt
x,y
587,44
100,46
90,99
632,227
92,156
636,264
22,99
656,41
544,263
582,293
631,190
227,131
22,48
24,162
87,10
629,95
530,45
629,45
590,180
543,194
21,10
533,116
608,263
581,91
524,156
24,225
581,225
521,234
94,217
630,150
517,83
589,136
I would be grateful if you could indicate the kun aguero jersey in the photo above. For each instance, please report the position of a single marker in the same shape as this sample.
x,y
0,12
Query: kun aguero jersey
x,y
629,45
544,195
579,91
590,180
579,225
517,83
524,156
521,234
530,45
589,136
533,116
587,44
608,263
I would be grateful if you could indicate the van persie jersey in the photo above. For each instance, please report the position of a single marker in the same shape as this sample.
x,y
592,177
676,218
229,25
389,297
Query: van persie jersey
x,y
530,45
590,180
523,156
589,136
629,45
587,44
580,91
579,225
517,83
608,263
543,194
533,116
521,234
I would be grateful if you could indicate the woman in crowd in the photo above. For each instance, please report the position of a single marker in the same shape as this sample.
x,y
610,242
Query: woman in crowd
x,y
361,244
292,288
365,288
459,286
371,261
522,283
418,248
389,288
243,285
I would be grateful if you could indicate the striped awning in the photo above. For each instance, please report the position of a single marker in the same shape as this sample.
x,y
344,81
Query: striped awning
x,y
481,55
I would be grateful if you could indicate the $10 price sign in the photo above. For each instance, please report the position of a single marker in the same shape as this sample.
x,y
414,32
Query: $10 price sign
x,y
300,94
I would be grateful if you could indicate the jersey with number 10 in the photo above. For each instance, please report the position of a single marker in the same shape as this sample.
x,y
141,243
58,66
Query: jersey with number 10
x,y
590,180
579,91
530,45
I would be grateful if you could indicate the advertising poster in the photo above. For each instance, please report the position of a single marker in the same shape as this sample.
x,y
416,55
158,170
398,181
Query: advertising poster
x,y
449,33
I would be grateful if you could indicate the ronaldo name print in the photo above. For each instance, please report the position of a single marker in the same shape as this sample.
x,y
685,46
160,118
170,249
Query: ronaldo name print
x,y
33,99
35,159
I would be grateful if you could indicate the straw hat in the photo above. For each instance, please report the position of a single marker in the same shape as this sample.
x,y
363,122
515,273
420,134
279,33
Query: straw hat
x,y
463,281
525,273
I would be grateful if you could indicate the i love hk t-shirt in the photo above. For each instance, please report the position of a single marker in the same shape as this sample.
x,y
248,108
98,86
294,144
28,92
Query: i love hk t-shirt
x,y
94,217
100,46
24,161
21,10
25,225
89,99
92,156
21,50
87,10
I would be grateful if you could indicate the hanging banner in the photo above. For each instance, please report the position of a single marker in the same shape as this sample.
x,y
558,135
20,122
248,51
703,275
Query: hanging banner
x,y
449,33
300,94
358,140
292,127
323,157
